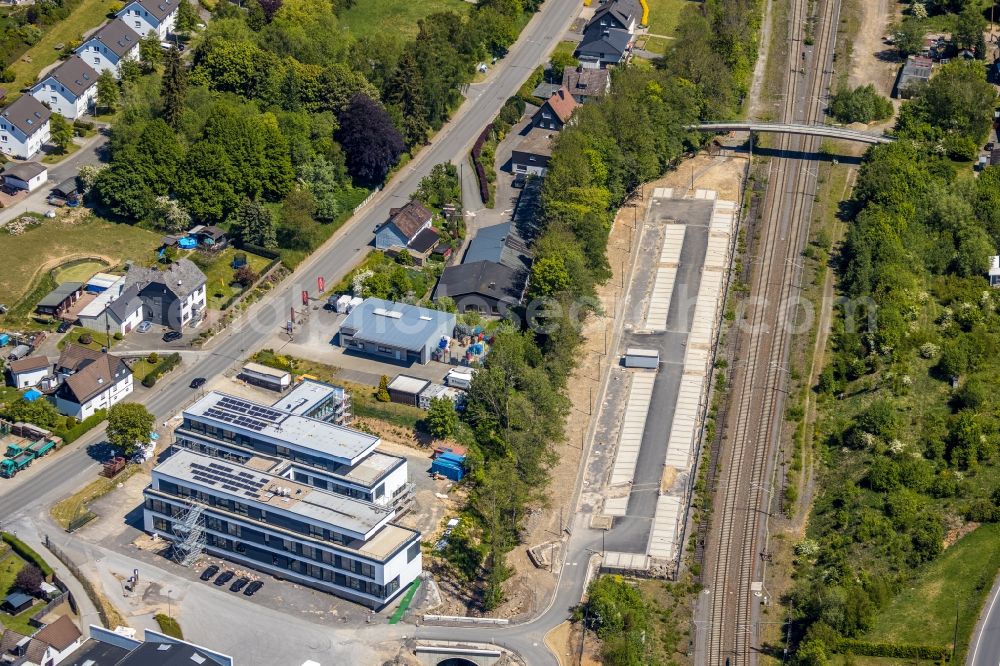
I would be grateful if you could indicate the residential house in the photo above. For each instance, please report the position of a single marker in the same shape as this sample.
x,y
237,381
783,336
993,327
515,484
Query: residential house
x,y
28,372
48,646
70,89
118,309
994,272
396,331
156,16
209,237
500,243
556,111
111,648
109,46
25,176
60,299
90,380
403,226
24,127
616,15
532,152
586,84
486,287
602,47
916,70
173,297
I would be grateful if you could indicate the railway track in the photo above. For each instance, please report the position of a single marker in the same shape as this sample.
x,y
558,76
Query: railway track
x,y
737,542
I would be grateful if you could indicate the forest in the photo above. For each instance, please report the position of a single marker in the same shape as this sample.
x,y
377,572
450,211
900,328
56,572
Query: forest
x,y
909,429
284,118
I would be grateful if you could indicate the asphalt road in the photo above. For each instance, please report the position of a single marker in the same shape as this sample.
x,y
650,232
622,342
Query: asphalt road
x,y
984,650
71,468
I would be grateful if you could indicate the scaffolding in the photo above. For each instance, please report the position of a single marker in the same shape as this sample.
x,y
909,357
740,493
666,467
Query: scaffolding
x,y
189,530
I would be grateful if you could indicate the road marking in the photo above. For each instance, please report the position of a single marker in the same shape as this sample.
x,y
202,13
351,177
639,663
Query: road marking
x,y
986,622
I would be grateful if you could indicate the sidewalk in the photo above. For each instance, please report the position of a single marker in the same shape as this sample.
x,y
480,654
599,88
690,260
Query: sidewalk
x,y
27,532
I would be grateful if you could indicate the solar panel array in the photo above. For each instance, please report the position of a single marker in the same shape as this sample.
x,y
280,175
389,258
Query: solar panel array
x,y
228,478
245,414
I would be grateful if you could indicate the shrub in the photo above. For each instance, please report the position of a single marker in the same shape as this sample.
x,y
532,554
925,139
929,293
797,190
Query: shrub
x,y
27,553
8,75
29,580
117,335
149,381
899,650
169,626
80,429
85,339
153,358
860,105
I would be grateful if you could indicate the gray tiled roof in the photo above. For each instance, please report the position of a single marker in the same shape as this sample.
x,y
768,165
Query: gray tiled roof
x,y
181,278
74,74
27,114
25,170
117,36
482,277
161,9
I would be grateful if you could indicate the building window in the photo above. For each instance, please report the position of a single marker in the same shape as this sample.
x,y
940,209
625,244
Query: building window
x,y
412,552
384,350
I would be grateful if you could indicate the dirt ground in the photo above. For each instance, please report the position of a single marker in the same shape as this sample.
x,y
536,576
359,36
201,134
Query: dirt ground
x,y
871,58
564,641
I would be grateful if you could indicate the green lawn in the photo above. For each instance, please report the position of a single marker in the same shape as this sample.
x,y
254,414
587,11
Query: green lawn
x,y
89,15
55,158
26,260
9,566
78,271
391,17
656,45
219,273
100,339
663,15
960,579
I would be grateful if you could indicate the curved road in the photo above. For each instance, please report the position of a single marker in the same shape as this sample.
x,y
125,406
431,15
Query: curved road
x,y
71,468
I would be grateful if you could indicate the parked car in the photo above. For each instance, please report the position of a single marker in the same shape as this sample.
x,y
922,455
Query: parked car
x,y
239,584
170,336
224,578
64,326
209,572
252,588
144,327
197,382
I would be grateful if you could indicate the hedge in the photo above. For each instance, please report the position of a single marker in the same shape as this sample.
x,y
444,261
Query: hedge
x,y
166,364
477,150
27,553
169,626
82,428
898,650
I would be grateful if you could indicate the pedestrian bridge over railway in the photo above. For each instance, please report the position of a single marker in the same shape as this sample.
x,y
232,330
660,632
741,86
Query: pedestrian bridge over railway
x,y
828,131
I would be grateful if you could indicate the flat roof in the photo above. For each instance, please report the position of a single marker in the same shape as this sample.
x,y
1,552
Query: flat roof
x,y
408,384
265,370
319,505
307,394
398,324
255,419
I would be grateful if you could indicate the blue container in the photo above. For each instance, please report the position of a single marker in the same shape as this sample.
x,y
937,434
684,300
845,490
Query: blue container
x,y
447,469
31,395
451,457
187,243
4,339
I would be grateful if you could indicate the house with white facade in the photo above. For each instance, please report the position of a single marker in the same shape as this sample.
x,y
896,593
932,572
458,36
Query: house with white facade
x,y
90,380
70,89
173,297
290,495
28,372
156,16
115,310
25,176
48,646
109,46
24,127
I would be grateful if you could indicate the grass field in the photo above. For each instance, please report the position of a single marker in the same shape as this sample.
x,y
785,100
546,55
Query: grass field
x,y
99,340
663,15
9,566
25,259
219,274
78,271
89,15
393,17
959,579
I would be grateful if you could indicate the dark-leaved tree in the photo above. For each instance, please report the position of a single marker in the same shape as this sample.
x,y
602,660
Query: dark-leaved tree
x,y
29,579
173,87
253,223
370,140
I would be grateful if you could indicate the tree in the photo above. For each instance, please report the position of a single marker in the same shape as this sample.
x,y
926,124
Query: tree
x,y
173,87
549,276
87,177
442,419
405,93
129,425
298,228
253,223
187,16
245,276
39,412
440,186
382,395
130,70
150,52
107,91
123,191
321,178
860,105
370,140
270,8
61,131
909,37
169,215
969,28
205,182
29,579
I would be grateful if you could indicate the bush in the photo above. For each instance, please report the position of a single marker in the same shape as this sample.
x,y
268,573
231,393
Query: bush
x,y
860,105
162,367
117,335
78,430
85,339
477,151
149,381
169,626
8,75
29,580
898,650
25,552
153,358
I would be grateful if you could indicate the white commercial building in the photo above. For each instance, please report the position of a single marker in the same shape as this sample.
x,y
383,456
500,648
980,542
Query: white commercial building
x,y
295,496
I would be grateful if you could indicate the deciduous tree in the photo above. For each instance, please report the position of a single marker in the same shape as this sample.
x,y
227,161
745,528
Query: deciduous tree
x,y
253,223
129,426
61,132
370,140
107,91
442,419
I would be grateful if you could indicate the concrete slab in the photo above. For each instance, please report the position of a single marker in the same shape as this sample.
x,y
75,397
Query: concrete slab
x,y
632,427
663,537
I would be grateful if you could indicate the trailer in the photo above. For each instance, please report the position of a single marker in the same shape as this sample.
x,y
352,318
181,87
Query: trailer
x,y
11,466
42,447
